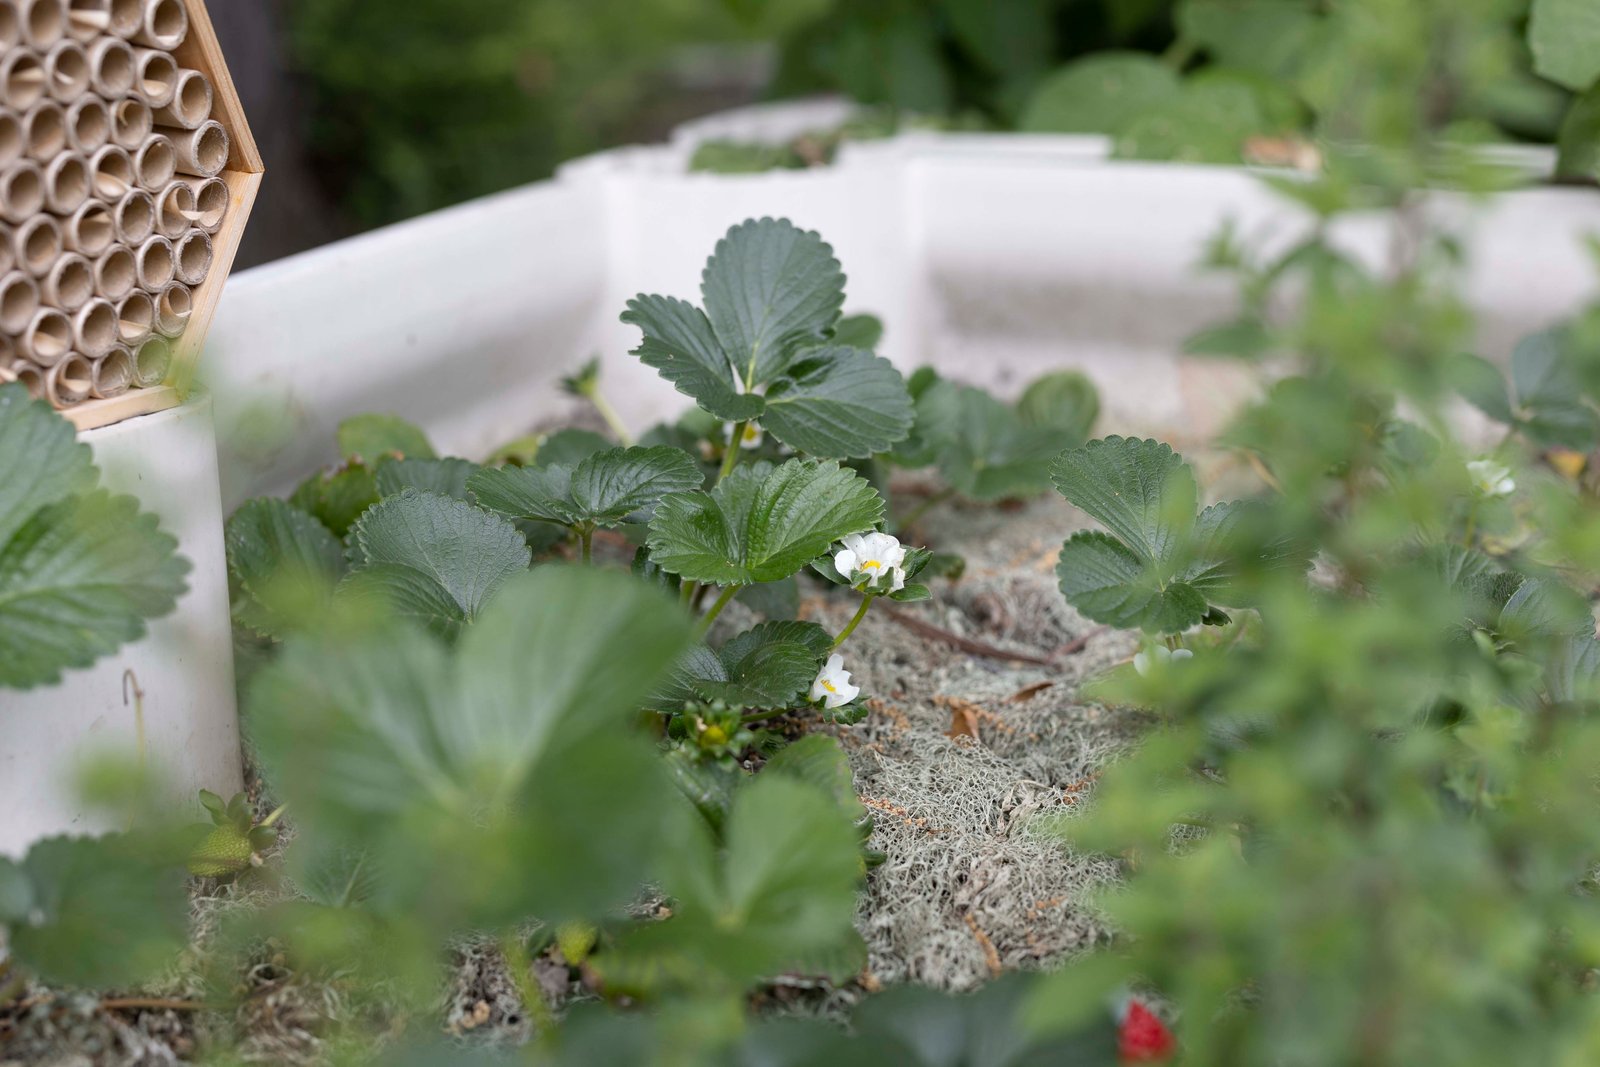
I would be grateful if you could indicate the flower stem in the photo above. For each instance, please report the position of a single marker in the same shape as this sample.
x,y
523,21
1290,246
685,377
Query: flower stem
x,y
731,456
613,420
850,627
926,506
728,593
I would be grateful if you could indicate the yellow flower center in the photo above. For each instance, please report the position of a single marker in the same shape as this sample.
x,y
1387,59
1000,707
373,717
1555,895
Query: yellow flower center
x,y
872,565
829,687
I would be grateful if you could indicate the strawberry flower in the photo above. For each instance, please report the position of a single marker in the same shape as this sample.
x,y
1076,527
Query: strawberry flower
x,y
1490,478
871,559
832,686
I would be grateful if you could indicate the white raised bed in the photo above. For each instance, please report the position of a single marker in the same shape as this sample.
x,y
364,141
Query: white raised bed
x,y
992,257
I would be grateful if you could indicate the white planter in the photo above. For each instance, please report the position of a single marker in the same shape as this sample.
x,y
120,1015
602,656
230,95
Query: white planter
x,y
993,257
189,731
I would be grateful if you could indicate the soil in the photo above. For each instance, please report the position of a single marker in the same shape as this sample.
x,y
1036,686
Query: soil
x,y
962,754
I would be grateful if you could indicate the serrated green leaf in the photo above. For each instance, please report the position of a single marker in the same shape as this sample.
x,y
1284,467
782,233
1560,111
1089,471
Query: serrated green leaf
x,y
858,331
78,579
1065,401
543,493
337,498
608,486
838,402
761,524
438,761
770,289
446,477
1106,581
1565,38
373,436
1140,490
468,552
57,465
406,592
679,343
284,565
770,665
1099,94
1572,672
103,911
569,447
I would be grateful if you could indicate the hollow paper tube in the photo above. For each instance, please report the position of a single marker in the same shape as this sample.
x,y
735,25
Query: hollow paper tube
x,y
46,337
173,309
136,317
111,172
10,26
66,68
89,230
68,382
116,273
165,24
66,183
36,243
8,256
210,201
19,300
88,124
191,102
175,209
131,123
112,373
134,217
31,377
154,264
154,163
193,252
21,190
94,328
150,362
42,22
12,141
126,17
111,67
155,77
88,19
22,81
202,151
69,284
45,129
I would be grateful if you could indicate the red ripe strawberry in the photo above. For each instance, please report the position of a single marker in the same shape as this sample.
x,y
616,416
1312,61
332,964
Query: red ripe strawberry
x,y
1143,1037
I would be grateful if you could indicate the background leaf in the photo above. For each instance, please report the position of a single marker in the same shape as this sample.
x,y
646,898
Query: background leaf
x,y
1099,94
57,467
370,437
284,564
1140,490
446,477
1565,38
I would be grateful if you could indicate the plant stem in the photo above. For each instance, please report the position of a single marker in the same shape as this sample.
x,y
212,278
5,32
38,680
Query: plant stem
x,y
613,420
759,716
926,506
731,456
515,953
850,627
728,593
586,539
1472,525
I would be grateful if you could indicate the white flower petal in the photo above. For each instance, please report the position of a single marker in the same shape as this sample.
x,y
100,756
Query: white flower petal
x,y
845,563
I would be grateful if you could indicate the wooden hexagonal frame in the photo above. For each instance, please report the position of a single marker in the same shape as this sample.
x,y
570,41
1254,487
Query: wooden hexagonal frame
x,y
199,51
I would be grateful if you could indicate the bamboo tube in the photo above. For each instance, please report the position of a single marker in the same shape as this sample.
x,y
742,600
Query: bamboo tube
x,y
36,244
202,151
193,251
175,209
154,163
94,328
8,257
42,22
154,265
173,308
210,201
68,382
191,102
66,68
155,76
19,301
112,374
46,337
13,143
31,377
90,230
134,217
21,190
10,26
88,124
165,24
88,19
22,81
131,123
111,67
69,283
116,273
66,183
136,317
151,361
126,17
111,172
44,128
